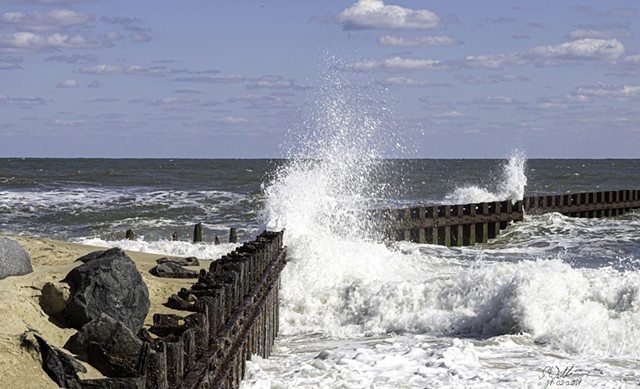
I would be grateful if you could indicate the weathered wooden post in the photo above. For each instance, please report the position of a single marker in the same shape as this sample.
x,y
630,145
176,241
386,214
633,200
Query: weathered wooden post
x,y
157,369
233,235
197,233
174,236
216,241
175,362
129,235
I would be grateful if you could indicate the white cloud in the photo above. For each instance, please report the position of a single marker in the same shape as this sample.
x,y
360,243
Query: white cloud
x,y
231,120
103,100
214,79
615,92
261,102
106,69
408,82
112,36
10,62
139,37
23,42
271,82
493,61
450,114
102,69
55,20
73,59
70,83
492,79
494,100
394,64
633,59
165,101
442,40
582,49
25,102
596,33
374,14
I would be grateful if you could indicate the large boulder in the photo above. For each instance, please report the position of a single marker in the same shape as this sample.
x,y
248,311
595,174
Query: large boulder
x,y
107,283
14,259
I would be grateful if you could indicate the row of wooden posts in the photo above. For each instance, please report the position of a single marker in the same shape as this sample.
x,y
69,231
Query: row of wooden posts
x,y
231,314
468,224
197,235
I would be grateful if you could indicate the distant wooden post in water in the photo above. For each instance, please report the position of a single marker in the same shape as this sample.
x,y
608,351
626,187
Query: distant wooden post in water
x,y
197,233
233,235
129,235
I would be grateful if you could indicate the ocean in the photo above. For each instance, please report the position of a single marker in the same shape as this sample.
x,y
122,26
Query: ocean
x,y
552,301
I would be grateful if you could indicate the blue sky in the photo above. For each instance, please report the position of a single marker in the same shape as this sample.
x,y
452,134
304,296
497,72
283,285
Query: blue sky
x,y
230,79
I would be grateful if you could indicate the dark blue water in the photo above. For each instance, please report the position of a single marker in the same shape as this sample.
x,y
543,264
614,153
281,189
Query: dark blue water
x,y
71,198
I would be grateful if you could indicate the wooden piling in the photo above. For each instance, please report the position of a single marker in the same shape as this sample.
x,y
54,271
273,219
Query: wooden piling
x,y
197,233
233,235
129,235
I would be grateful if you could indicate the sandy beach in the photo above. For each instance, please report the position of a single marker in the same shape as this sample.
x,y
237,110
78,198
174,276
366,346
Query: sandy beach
x,y
21,311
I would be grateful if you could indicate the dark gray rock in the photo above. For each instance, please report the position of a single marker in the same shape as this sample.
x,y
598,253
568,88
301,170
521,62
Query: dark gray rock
x,y
189,261
172,270
109,346
108,283
61,367
90,256
14,259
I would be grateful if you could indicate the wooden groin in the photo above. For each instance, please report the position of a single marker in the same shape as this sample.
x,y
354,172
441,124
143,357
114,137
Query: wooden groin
x,y
587,204
468,224
449,225
231,313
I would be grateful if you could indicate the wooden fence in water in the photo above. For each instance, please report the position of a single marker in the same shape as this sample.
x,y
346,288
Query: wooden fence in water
x,y
468,224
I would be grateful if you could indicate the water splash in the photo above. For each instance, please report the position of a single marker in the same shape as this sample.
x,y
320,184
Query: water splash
x,y
510,185
326,185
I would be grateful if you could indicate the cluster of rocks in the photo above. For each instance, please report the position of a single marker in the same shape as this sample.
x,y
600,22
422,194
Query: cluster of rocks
x,y
106,300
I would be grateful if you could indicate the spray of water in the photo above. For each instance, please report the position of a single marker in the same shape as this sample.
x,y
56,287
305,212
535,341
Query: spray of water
x,y
326,185
321,197
510,184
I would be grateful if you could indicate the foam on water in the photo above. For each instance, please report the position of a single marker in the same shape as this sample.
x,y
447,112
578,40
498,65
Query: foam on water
x,y
510,185
459,312
200,250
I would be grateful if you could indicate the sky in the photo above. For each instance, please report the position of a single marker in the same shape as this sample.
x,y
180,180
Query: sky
x,y
235,78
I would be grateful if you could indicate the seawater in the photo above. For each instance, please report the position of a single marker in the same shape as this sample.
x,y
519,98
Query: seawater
x,y
552,300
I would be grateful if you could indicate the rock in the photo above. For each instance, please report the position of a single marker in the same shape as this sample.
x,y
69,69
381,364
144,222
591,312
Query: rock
x,y
14,259
172,270
109,345
108,283
60,366
90,256
54,298
189,261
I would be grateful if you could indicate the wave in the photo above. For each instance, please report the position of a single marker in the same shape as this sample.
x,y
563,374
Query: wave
x,y
510,184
